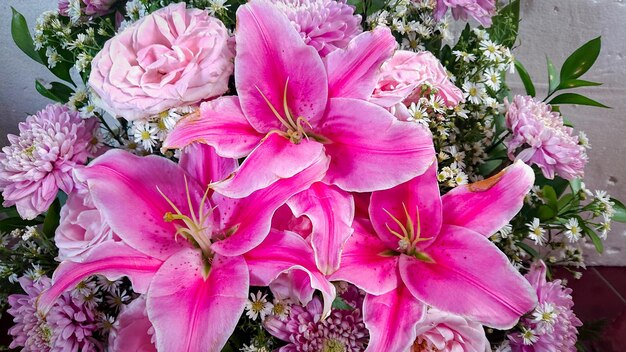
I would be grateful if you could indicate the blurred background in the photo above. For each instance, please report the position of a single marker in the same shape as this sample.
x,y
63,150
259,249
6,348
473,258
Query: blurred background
x,y
549,27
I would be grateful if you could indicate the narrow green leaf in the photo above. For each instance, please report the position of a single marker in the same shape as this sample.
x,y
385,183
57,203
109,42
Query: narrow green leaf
x,y
62,70
51,221
58,92
620,210
526,80
574,98
46,92
553,79
545,212
597,241
21,36
9,224
528,249
575,83
339,303
581,60
576,185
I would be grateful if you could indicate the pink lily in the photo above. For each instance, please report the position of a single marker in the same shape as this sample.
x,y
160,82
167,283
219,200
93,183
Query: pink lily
x,y
421,248
181,245
293,105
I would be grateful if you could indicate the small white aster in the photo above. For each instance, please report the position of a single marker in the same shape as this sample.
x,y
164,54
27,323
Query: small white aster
x,y
145,134
258,306
536,233
573,232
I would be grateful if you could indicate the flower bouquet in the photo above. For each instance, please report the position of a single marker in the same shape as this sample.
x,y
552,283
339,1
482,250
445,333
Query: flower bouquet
x,y
294,175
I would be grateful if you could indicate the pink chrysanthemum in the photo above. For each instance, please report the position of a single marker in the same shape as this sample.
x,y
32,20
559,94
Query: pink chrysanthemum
x,y
441,331
305,330
480,10
39,161
326,25
543,140
88,7
552,325
67,327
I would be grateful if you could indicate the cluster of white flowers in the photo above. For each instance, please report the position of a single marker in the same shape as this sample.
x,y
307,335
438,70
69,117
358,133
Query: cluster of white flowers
x,y
411,20
147,135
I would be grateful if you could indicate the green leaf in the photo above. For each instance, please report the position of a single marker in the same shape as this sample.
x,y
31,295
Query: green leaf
x,y
51,221
581,60
545,212
549,194
62,70
21,36
526,80
574,98
528,249
505,25
576,185
9,224
597,241
575,83
620,210
339,303
553,79
58,92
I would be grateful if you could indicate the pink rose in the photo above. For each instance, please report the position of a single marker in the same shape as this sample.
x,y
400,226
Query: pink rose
x,y
441,331
133,331
173,57
402,77
81,227
481,10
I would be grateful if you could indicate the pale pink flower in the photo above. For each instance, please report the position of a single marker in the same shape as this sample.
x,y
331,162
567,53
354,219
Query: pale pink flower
x,y
540,138
441,331
419,249
326,25
192,251
172,57
554,328
402,79
68,327
305,330
133,331
480,10
39,161
81,227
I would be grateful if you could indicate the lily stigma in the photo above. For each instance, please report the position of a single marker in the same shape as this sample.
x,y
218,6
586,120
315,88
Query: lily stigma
x,y
410,235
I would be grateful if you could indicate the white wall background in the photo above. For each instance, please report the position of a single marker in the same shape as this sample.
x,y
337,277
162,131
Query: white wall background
x,y
549,27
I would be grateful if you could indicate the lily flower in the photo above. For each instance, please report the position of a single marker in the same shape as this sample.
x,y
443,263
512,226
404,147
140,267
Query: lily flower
x,y
420,248
293,105
183,244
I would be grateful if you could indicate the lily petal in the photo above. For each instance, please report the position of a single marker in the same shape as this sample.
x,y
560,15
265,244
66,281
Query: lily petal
x,y
274,159
366,263
221,124
282,252
125,188
486,206
391,320
111,259
370,149
190,313
418,197
331,211
203,164
294,284
250,218
353,72
271,55
469,276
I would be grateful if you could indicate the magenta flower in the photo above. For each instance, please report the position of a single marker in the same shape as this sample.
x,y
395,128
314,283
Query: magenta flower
x,y
420,248
480,10
540,138
39,161
326,25
552,326
305,329
182,245
294,106
68,327
441,331
88,7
